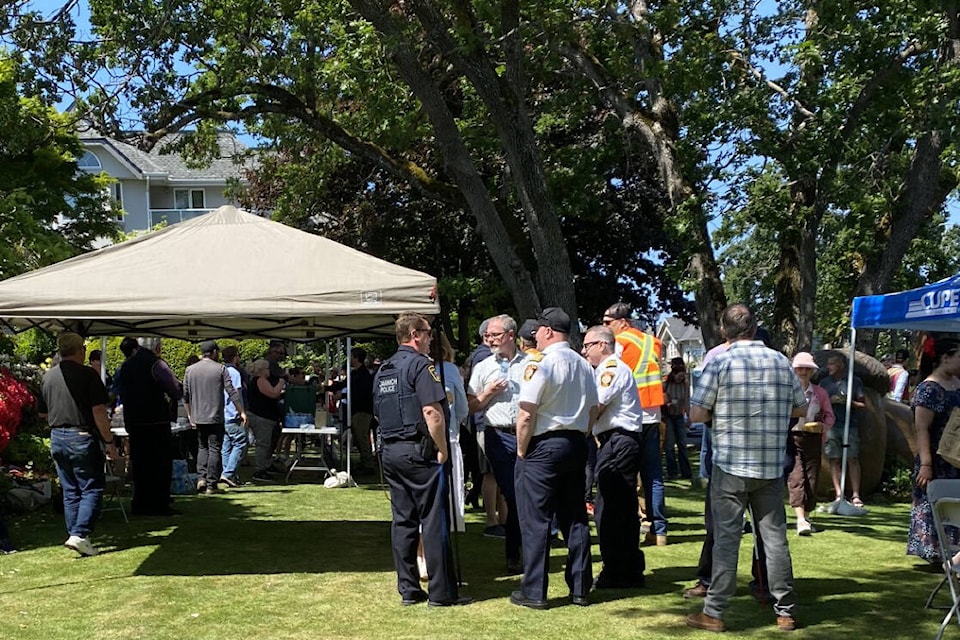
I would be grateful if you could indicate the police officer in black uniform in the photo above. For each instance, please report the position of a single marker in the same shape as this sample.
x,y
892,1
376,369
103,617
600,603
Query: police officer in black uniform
x,y
410,405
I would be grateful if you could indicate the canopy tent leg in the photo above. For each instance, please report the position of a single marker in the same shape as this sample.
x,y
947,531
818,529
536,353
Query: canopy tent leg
x,y
842,506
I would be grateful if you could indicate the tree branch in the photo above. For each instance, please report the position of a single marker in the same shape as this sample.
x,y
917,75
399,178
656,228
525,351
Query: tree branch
x,y
280,101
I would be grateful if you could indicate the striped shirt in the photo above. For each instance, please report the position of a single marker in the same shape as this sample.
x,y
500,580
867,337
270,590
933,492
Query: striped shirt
x,y
751,390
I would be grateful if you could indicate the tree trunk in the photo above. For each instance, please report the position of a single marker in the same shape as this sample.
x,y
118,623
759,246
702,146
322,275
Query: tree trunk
x,y
459,163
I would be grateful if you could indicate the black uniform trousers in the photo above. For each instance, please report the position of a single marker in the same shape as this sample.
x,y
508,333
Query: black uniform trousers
x,y
549,481
616,508
501,450
420,497
151,467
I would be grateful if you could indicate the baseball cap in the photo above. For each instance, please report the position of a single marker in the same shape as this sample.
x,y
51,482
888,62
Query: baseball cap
x,y
528,329
555,318
209,346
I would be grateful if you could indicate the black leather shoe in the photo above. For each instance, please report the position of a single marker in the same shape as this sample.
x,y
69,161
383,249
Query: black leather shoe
x,y
521,600
459,602
580,601
414,598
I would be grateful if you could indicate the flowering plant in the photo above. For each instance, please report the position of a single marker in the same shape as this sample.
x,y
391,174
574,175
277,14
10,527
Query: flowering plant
x,y
14,396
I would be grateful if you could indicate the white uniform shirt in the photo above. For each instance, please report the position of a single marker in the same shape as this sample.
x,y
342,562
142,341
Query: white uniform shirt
x,y
617,391
563,388
502,408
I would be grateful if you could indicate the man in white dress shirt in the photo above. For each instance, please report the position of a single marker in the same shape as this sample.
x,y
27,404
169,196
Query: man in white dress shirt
x,y
558,398
617,429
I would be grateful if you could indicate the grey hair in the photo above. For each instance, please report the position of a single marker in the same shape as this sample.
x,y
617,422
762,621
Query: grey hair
x,y
483,326
606,335
508,323
150,343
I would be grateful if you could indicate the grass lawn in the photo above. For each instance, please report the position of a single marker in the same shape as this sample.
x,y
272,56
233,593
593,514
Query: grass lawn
x,y
302,561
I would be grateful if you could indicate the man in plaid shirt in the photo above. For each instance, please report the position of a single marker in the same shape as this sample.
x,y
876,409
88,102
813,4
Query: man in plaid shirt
x,y
750,392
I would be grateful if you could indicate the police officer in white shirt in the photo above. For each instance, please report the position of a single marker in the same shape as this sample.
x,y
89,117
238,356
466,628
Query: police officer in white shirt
x,y
558,399
494,388
617,429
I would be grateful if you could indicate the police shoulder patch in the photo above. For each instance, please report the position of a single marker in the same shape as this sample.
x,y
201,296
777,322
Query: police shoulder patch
x,y
606,379
535,356
433,372
529,371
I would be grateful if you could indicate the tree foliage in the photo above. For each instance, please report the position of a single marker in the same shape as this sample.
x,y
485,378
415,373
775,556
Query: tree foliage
x,y
48,209
488,111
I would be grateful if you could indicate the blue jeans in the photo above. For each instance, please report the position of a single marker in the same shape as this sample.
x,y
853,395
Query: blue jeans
x,y
234,447
675,446
79,461
651,474
730,495
502,454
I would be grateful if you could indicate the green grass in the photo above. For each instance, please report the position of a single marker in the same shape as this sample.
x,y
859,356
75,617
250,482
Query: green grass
x,y
301,561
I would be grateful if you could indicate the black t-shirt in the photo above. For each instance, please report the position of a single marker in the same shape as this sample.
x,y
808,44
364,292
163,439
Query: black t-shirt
x,y
70,391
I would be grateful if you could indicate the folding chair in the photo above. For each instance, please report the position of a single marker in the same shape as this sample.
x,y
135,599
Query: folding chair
x,y
944,497
115,482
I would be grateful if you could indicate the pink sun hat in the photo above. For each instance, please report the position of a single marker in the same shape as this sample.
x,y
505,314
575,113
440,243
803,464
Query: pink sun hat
x,y
804,360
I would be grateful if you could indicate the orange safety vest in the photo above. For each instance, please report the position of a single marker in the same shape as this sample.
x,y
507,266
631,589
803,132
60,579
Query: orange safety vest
x,y
641,352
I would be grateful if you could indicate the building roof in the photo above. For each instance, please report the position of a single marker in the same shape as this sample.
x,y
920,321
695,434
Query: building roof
x,y
679,330
170,164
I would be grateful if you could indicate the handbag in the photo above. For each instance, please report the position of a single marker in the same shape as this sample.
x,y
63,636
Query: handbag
x,y
949,448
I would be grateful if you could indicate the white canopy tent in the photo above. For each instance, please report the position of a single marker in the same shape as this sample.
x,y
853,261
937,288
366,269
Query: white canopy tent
x,y
228,274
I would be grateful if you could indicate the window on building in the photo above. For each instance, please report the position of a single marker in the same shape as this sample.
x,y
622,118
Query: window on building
x,y
89,161
116,192
188,199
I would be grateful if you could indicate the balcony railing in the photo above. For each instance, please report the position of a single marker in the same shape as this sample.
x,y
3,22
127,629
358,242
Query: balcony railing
x,y
173,216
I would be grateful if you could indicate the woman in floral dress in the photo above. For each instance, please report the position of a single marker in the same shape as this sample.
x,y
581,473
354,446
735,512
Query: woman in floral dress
x,y
933,401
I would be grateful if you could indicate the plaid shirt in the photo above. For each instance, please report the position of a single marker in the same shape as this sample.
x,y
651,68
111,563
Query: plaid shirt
x,y
751,391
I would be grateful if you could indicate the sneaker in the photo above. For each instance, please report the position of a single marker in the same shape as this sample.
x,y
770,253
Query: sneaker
x,y
705,622
697,591
212,490
230,482
804,528
201,485
786,623
81,546
495,531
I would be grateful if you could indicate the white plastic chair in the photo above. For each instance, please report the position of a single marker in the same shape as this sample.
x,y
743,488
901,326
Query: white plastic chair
x,y
944,497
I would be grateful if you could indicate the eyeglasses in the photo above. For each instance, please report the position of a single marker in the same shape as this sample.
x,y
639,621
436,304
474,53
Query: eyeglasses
x,y
609,321
496,336
587,345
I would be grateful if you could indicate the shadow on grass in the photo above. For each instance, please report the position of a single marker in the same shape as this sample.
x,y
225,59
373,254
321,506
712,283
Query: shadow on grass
x,y
234,545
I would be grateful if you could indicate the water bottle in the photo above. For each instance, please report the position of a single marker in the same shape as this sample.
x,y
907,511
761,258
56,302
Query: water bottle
x,y
504,369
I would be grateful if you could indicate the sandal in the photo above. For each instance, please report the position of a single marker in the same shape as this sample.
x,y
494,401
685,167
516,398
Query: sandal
x,y
857,502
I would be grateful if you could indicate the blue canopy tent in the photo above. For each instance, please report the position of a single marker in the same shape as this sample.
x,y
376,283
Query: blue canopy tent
x,y
935,307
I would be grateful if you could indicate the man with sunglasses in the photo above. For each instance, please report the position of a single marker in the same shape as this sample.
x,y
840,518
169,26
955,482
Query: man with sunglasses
x,y
641,352
494,388
558,399
411,406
